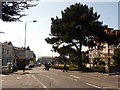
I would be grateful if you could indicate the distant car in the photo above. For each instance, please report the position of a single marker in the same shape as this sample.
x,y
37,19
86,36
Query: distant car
x,y
38,64
31,65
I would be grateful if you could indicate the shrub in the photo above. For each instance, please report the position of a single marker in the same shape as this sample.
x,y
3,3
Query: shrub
x,y
56,66
73,66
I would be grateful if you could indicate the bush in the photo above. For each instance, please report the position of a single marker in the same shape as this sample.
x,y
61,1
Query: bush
x,y
56,66
73,66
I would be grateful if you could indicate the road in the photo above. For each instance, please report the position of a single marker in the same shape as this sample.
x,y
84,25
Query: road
x,y
39,78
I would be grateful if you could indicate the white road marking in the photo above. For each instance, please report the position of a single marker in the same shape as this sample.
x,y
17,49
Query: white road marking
x,y
74,76
70,78
93,85
19,77
39,81
28,75
34,77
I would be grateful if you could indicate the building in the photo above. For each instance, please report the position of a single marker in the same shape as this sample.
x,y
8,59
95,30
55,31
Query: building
x,y
23,56
45,59
6,57
14,55
103,51
19,52
6,53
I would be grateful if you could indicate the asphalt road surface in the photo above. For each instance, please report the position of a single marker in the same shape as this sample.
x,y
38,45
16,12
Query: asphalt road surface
x,y
37,78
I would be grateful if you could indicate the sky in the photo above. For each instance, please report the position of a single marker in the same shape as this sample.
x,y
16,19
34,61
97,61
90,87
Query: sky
x,y
43,12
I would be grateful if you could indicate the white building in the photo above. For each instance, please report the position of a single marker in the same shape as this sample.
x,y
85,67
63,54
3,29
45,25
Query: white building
x,y
101,52
6,53
14,56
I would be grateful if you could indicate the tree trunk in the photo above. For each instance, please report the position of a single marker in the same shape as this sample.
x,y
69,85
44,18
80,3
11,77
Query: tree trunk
x,y
79,61
79,53
80,56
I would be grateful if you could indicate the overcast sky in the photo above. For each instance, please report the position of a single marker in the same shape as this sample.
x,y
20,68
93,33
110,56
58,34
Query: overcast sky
x,y
38,31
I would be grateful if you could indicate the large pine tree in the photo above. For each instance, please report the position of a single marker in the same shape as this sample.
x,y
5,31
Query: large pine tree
x,y
78,26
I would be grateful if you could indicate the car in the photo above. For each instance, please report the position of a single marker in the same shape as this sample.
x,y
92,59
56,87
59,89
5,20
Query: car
x,y
39,64
31,65
15,68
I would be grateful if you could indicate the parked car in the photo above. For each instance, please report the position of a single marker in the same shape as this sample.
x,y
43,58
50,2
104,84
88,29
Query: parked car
x,y
15,68
39,64
31,65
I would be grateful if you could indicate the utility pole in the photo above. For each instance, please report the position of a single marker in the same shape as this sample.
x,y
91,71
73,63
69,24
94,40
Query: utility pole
x,y
25,41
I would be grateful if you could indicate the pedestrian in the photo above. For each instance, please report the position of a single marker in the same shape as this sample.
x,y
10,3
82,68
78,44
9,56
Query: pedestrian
x,y
45,66
65,67
48,66
24,66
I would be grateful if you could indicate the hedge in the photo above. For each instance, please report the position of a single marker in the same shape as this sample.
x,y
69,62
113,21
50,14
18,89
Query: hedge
x,y
61,67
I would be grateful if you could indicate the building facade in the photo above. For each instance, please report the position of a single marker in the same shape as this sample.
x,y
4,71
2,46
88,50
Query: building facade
x,y
14,55
23,56
103,51
6,53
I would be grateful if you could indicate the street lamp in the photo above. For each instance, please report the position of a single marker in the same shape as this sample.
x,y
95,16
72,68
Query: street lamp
x,y
2,32
25,31
25,40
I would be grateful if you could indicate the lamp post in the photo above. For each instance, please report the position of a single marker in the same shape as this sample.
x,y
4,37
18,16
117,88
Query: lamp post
x,y
25,39
25,31
2,32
